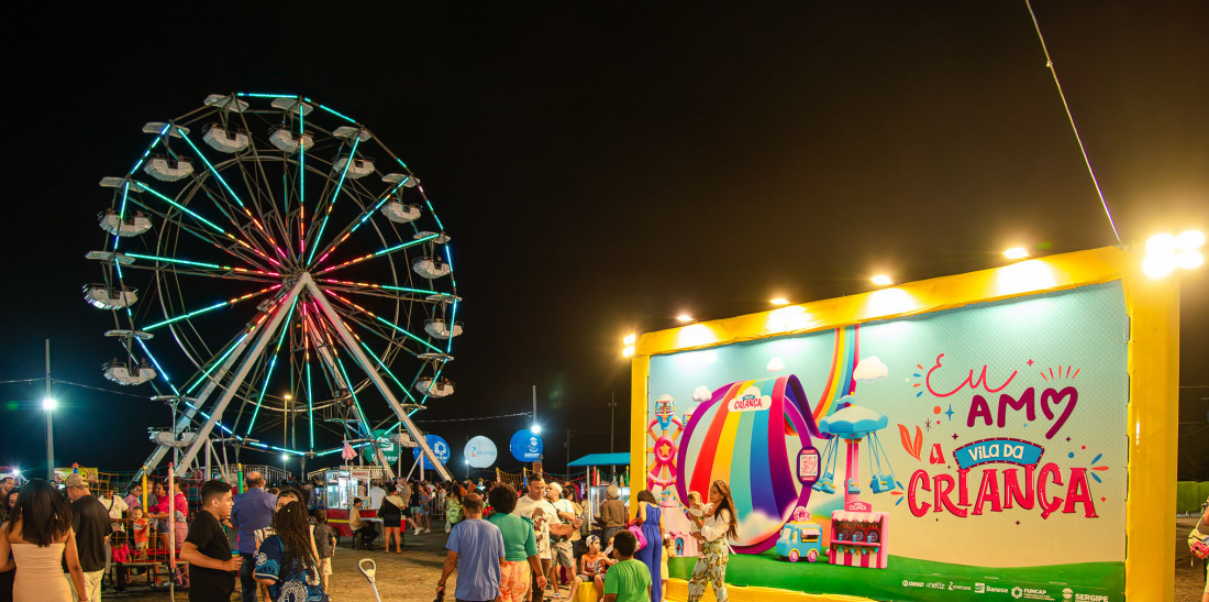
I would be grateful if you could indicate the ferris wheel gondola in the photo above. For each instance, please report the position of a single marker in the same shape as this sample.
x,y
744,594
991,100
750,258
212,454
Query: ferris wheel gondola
x,y
299,288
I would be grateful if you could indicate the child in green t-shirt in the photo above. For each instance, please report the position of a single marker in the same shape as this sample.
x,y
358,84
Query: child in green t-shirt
x,y
629,580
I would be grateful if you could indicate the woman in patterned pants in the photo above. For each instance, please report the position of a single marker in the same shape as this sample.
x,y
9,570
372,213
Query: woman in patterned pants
x,y
717,523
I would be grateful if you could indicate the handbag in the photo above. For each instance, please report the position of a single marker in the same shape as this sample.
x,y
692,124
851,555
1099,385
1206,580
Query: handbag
x,y
636,529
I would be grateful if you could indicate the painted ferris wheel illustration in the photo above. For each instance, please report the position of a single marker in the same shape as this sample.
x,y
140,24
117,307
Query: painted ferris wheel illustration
x,y
293,263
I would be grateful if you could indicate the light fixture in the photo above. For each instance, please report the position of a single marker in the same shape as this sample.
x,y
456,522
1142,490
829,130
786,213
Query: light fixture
x,y
779,301
1166,252
49,404
882,280
285,457
684,318
629,339
1016,253
288,397
627,351
536,429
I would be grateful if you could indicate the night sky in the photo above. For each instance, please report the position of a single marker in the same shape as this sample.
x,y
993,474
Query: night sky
x,y
603,167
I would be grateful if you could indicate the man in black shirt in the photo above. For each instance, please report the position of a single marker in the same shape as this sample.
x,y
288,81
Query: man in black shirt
x,y
207,549
90,520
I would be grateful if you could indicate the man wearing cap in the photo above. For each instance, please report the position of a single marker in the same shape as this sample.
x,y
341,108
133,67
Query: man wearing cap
x,y
90,520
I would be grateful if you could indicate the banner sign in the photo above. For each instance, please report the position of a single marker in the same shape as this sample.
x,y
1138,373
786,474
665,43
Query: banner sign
x,y
389,448
1008,451
480,452
526,446
945,455
439,446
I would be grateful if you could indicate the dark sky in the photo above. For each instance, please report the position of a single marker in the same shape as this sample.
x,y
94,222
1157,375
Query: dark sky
x,y
604,166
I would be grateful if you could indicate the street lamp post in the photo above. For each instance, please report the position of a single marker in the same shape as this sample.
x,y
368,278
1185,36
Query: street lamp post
x,y
48,406
612,408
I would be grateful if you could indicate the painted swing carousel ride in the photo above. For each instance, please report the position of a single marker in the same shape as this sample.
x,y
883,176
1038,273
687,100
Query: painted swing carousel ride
x,y
299,267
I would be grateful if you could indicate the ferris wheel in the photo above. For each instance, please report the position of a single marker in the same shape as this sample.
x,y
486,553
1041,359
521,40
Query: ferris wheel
x,y
298,268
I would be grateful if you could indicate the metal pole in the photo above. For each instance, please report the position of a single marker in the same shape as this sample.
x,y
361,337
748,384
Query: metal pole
x,y
537,464
262,341
171,537
612,411
50,429
371,370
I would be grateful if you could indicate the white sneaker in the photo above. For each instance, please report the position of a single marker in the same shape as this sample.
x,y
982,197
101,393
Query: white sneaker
x,y
417,530
429,530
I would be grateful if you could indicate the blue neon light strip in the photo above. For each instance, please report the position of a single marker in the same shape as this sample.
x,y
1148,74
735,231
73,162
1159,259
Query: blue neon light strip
x,y
310,403
218,362
211,168
158,367
396,327
186,316
352,156
405,245
453,322
285,329
366,216
182,208
434,213
214,266
301,183
121,219
351,392
334,112
387,371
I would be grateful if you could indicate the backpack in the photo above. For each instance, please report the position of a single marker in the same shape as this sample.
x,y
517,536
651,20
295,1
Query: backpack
x,y
453,511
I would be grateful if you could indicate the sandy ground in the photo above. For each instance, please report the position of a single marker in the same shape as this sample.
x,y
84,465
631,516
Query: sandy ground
x,y
412,576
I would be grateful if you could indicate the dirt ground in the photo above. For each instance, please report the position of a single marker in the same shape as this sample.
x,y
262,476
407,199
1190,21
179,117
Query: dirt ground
x,y
412,576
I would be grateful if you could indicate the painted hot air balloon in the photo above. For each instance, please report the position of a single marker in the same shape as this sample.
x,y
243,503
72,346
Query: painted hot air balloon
x,y
752,434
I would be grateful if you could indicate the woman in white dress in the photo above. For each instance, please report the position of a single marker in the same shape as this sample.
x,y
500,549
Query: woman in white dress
x,y
39,534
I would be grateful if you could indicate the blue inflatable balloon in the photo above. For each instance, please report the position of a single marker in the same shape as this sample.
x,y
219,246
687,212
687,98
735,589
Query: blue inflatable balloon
x,y
439,446
526,446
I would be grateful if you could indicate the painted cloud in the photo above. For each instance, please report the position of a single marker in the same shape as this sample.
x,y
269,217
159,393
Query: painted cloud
x,y
870,369
702,394
776,364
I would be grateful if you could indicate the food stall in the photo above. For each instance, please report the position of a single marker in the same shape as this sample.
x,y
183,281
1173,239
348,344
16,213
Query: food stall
x,y
340,486
598,486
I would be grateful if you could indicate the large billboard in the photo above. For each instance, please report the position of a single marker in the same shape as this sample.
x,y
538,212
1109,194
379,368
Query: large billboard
x,y
976,449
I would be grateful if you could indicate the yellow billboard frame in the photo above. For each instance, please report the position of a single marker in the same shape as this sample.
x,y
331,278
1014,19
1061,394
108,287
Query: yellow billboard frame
x,y
1152,360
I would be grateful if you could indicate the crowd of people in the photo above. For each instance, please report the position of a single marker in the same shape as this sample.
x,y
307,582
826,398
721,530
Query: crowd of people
x,y
527,545
518,545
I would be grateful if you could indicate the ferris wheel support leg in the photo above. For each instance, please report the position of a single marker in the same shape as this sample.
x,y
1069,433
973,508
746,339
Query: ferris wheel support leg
x,y
262,341
191,410
371,370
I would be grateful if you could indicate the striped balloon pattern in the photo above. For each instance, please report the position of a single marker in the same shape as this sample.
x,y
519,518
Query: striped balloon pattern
x,y
754,450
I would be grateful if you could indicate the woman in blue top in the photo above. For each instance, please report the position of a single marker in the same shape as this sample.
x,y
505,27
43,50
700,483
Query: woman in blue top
x,y
650,517
286,561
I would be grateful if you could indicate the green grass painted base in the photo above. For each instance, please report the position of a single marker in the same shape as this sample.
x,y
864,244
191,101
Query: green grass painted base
x,y
766,570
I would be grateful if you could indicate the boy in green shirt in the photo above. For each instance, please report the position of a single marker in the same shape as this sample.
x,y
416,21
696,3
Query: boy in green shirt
x,y
629,580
